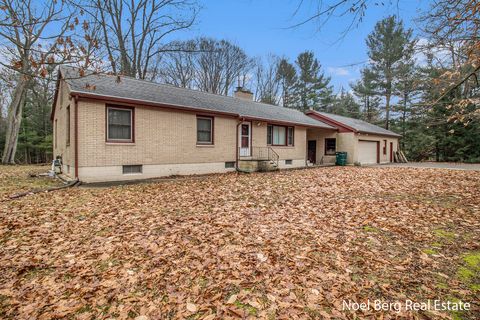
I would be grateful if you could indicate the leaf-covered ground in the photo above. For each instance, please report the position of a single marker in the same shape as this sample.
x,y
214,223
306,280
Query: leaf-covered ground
x,y
283,245
17,179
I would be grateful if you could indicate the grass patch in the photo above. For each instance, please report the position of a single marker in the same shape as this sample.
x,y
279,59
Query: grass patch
x,y
84,309
429,251
103,266
475,287
444,234
472,260
370,229
469,273
442,285
245,306
465,274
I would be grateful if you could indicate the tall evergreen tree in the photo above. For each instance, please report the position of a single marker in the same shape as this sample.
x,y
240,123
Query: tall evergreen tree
x,y
312,87
388,45
287,75
344,104
406,86
364,90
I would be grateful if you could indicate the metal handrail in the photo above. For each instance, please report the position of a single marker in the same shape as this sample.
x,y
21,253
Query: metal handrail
x,y
273,156
260,153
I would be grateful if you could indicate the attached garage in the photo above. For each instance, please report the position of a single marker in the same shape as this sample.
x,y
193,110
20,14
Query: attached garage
x,y
367,152
365,143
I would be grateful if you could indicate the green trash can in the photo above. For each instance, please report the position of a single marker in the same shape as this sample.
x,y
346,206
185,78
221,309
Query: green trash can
x,y
341,158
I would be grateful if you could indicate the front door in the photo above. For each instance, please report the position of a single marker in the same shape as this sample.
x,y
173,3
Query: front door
x,y
312,151
244,139
391,151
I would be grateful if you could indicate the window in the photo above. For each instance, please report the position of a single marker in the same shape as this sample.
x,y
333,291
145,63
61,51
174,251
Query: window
x,y
279,135
290,136
119,124
230,164
288,161
330,146
384,146
132,169
68,125
204,130
269,134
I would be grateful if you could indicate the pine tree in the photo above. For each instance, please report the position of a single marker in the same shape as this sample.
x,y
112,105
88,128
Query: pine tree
x,y
344,104
313,87
406,87
388,45
287,76
364,90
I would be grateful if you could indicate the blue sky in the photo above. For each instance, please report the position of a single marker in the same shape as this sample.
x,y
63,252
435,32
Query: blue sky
x,y
260,27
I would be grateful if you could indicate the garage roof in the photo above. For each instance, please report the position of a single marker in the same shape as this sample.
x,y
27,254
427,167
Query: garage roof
x,y
356,125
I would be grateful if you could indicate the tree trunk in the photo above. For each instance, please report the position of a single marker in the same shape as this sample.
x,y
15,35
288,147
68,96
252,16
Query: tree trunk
x,y
404,118
13,121
387,111
369,113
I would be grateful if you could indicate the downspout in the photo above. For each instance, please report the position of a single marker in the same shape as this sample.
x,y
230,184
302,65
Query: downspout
x,y
75,132
236,143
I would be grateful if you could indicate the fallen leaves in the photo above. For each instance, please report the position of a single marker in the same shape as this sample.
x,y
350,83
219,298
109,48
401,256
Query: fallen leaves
x,y
289,244
191,307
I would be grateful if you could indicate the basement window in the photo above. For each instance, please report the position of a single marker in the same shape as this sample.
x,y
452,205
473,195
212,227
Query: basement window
x,y
230,164
133,169
288,161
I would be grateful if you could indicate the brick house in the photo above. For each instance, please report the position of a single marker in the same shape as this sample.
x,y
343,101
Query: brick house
x,y
108,128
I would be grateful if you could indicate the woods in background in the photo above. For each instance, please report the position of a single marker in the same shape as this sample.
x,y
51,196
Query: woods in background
x,y
423,88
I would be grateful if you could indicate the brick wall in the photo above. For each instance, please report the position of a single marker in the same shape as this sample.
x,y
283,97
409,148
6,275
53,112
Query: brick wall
x,y
60,147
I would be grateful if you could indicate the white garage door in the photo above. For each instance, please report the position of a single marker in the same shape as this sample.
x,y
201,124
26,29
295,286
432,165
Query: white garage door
x,y
367,152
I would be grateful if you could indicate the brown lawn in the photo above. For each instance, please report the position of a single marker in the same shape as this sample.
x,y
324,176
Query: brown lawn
x,y
284,245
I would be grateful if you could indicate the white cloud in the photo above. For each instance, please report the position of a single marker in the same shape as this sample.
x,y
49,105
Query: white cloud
x,y
424,46
338,71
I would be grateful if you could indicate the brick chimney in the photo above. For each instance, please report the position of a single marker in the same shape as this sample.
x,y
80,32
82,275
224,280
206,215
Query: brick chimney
x,y
242,93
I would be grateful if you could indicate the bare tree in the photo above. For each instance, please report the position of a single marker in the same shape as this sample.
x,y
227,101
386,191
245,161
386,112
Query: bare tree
x,y
320,12
267,80
34,36
218,64
135,32
454,26
177,67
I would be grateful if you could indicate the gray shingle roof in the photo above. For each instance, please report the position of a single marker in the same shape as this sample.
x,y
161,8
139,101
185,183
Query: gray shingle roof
x,y
359,125
145,91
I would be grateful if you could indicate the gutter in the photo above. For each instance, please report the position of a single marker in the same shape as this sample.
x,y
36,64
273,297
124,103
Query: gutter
x,y
75,132
240,121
